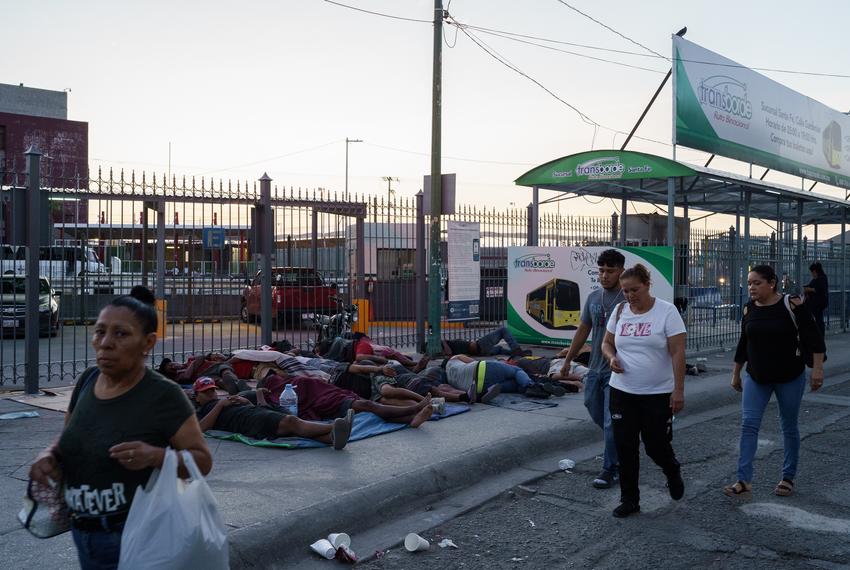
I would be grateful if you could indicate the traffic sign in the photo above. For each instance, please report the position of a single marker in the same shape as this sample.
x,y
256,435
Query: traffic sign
x,y
213,238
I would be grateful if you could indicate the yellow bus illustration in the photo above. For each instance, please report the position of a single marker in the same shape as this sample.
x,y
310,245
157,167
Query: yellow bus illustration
x,y
556,304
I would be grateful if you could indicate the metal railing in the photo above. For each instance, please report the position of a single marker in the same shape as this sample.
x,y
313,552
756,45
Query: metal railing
x,y
194,242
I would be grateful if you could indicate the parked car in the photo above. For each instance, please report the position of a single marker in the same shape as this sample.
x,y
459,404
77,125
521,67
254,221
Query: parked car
x,y
297,294
13,306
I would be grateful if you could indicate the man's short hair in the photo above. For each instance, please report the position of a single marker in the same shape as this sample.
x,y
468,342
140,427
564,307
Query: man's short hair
x,y
611,258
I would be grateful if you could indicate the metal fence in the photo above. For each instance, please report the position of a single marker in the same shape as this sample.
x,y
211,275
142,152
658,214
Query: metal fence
x,y
194,242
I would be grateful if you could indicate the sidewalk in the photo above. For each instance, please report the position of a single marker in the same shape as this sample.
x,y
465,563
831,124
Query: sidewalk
x,y
276,502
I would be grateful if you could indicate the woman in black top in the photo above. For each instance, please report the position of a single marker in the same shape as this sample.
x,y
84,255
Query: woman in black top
x,y
817,294
772,345
121,418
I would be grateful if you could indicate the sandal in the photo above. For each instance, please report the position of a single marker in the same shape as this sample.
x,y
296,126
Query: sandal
x,y
738,489
784,488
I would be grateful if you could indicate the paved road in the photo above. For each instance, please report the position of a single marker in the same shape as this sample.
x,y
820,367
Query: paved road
x,y
562,522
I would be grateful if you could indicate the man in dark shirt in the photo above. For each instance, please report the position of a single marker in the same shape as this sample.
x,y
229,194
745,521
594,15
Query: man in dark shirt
x,y
238,415
817,294
487,345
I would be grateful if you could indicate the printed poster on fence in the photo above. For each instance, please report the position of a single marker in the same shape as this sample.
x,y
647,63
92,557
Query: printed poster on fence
x,y
549,286
464,270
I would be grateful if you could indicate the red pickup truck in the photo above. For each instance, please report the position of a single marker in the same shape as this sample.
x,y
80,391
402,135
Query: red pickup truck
x,y
296,291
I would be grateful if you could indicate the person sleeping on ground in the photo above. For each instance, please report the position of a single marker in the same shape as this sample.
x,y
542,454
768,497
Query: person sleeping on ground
x,y
482,380
319,400
237,414
430,381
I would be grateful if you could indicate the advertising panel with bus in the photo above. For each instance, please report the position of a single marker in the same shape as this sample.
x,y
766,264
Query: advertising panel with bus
x,y
548,287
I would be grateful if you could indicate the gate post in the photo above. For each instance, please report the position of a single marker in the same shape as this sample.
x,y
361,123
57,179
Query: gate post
x,y
160,269
265,220
33,243
420,272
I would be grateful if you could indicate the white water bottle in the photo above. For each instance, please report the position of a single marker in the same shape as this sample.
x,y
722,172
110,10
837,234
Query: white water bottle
x,y
289,400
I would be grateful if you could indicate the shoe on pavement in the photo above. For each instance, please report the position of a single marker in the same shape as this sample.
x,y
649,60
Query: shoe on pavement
x,y
604,480
554,389
490,393
625,509
537,392
676,485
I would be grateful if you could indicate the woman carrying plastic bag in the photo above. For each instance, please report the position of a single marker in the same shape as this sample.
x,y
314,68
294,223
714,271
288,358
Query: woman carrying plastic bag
x,y
174,524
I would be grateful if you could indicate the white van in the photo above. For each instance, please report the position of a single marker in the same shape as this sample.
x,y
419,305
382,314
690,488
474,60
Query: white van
x,y
66,266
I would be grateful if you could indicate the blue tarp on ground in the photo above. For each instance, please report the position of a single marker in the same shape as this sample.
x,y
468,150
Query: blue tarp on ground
x,y
366,424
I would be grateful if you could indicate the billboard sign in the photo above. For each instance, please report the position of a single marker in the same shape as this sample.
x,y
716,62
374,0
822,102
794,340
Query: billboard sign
x,y
549,286
727,109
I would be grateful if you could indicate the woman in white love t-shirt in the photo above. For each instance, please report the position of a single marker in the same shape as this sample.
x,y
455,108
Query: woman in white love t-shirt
x,y
645,345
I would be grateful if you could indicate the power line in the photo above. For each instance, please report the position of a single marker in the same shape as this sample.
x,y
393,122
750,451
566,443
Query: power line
x,y
609,28
584,117
653,53
492,53
552,48
378,13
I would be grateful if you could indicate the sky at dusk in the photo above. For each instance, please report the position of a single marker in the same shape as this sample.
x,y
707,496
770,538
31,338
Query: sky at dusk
x,y
242,88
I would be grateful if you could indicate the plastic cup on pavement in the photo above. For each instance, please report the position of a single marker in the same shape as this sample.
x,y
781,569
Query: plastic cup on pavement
x,y
324,549
338,539
438,405
415,543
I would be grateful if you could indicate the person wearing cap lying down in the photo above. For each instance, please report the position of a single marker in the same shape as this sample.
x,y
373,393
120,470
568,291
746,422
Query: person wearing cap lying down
x,y
319,400
238,415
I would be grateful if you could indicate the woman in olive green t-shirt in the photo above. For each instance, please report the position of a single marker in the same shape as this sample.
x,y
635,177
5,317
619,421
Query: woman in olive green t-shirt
x,y
121,418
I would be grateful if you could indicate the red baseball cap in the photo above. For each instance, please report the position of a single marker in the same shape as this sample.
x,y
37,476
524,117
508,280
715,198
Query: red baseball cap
x,y
204,383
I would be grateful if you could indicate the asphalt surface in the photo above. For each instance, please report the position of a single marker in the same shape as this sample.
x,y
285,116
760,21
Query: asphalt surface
x,y
560,521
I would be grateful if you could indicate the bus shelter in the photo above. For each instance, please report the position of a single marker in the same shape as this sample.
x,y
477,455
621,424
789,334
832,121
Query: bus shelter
x,y
626,176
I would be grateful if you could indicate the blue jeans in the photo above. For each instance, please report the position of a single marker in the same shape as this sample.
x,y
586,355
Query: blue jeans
x,y
511,378
97,550
755,399
488,344
597,398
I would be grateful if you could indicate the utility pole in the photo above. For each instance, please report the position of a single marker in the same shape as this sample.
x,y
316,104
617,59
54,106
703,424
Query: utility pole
x,y
435,301
347,142
389,180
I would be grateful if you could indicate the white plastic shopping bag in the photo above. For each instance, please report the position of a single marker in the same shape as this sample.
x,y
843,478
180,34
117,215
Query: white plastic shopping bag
x,y
174,524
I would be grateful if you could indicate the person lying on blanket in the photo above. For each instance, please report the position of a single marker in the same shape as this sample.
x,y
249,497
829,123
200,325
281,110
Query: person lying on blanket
x,y
319,400
483,380
430,381
220,367
238,415
362,348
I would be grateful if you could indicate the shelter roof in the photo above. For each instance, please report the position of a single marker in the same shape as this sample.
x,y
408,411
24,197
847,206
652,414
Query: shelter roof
x,y
643,177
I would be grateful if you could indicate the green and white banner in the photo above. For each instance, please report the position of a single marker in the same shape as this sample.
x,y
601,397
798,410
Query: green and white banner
x,y
548,287
725,108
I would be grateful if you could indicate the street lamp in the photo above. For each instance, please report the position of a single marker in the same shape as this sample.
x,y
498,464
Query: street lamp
x,y
347,142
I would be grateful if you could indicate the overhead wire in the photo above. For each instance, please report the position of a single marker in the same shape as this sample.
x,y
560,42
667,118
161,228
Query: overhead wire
x,y
383,15
609,28
577,54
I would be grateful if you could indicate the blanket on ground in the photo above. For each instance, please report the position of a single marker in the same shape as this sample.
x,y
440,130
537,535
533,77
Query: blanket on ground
x,y
366,424
520,403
